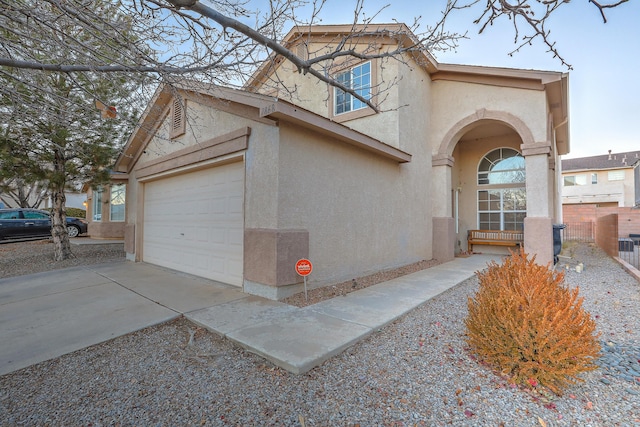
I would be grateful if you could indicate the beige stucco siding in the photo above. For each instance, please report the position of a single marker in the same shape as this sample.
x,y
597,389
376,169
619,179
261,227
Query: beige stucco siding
x,y
390,75
454,101
203,122
363,213
262,175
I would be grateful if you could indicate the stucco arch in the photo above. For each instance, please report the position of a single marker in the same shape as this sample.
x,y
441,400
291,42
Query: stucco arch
x,y
451,138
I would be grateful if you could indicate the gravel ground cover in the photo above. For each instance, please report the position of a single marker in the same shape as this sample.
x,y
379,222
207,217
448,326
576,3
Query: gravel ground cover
x,y
20,258
340,289
416,371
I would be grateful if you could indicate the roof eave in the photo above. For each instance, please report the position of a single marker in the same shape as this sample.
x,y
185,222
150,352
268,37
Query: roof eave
x,y
424,58
290,113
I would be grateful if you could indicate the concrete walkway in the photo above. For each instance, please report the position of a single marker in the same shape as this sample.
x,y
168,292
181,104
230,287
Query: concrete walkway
x,y
46,315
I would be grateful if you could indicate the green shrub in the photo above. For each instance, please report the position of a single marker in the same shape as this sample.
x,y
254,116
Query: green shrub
x,y
526,324
78,213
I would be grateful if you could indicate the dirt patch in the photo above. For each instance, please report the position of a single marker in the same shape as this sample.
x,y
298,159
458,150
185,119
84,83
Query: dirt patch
x,y
341,289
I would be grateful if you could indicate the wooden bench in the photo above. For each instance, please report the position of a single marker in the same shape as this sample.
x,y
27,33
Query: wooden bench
x,y
494,238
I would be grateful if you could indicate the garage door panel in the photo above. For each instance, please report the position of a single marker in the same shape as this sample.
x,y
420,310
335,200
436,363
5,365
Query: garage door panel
x,y
236,205
194,223
236,237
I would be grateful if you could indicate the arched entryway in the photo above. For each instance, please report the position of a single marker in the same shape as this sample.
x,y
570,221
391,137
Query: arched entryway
x,y
482,180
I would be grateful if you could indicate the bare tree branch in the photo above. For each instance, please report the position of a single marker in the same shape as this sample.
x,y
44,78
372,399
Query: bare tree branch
x,y
533,15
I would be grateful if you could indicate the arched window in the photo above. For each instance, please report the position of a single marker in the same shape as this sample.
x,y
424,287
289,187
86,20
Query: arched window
x,y
502,201
501,166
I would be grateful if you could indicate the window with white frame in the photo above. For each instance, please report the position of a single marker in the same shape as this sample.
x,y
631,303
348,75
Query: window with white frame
x,y
594,178
617,175
572,180
117,202
501,166
502,209
97,204
357,78
502,201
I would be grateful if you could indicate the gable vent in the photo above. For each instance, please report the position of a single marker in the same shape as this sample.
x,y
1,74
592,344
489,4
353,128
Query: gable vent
x,y
178,126
302,52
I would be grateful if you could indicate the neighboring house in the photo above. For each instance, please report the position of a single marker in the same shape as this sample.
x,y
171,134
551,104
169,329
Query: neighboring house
x,y
73,200
600,185
236,186
606,180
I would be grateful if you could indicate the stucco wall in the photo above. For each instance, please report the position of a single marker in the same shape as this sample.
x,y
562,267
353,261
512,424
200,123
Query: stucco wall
x,y
390,75
106,230
454,101
203,122
364,213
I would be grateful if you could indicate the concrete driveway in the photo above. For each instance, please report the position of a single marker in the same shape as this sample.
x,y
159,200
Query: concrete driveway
x,y
46,315
43,316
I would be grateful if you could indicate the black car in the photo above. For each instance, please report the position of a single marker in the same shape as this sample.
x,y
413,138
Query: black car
x,y
22,223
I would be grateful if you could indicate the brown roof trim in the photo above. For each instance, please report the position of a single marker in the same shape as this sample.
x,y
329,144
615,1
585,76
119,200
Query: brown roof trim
x,y
147,126
543,77
624,160
214,148
159,106
290,113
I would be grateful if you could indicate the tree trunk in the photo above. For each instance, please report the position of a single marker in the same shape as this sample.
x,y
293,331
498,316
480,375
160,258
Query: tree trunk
x,y
61,245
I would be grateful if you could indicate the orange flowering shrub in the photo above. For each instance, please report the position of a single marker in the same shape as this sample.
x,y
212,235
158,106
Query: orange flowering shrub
x,y
524,322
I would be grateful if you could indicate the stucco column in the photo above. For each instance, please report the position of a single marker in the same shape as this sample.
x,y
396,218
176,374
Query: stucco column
x,y
444,231
538,224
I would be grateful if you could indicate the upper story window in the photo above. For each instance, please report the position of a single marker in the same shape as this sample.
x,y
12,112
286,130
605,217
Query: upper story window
x,y
594,178
571,180
616,175
502,166
357,78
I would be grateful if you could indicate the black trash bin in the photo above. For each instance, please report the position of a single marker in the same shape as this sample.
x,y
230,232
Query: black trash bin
x,y
557,241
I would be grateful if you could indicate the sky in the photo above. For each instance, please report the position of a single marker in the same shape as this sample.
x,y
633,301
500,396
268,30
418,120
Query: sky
x,y
604,88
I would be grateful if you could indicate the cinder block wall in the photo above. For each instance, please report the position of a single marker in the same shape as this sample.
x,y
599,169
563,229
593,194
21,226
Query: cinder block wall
x,y
628,218
606,233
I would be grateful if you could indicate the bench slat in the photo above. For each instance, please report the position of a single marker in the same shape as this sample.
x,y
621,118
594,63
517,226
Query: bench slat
x,y
494,238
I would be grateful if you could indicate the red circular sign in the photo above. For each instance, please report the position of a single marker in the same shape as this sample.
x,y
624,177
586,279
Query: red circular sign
x,y
304,267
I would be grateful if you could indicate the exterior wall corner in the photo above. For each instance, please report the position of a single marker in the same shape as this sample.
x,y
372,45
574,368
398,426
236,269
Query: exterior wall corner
x,y
270,256
538,239
444,236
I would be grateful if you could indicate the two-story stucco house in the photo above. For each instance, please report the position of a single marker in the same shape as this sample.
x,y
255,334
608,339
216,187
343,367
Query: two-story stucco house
x,y
606,180
237,185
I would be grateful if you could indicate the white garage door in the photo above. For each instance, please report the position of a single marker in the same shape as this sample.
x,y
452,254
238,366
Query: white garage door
x,y
194,223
